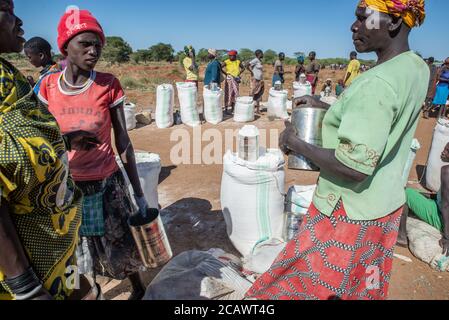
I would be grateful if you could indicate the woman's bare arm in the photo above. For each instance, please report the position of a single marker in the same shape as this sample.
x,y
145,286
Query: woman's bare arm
x,y
125,148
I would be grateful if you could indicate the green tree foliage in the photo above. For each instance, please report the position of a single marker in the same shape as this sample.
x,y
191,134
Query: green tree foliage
x,y
161,52
141,56
180,55
222,55
246,54
202,56
270,56
116,50
290,61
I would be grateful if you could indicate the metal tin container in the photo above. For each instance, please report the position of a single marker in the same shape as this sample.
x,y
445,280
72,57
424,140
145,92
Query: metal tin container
x,y
249,143
151,239
292,223
308,122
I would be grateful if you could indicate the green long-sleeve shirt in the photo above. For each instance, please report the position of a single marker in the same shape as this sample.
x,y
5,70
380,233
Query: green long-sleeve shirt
x,y
371,128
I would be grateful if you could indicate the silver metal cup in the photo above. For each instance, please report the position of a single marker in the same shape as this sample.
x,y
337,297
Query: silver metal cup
x,y
308,122
151,239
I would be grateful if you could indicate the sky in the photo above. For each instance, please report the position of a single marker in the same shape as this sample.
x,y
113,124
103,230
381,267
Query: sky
x,y
289,25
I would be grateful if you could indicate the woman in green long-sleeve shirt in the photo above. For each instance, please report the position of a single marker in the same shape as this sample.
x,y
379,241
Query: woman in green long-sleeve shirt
x,y
345,245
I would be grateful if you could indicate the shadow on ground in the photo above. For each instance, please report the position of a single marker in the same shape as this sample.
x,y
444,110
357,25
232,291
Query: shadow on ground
x,y
165,173
191,224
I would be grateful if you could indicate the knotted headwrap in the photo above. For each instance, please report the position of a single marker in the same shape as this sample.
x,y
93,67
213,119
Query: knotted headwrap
x,y
412,11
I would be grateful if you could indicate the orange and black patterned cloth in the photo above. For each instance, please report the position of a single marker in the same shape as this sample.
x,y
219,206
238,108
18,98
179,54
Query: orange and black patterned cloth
x,y
333,258
43,200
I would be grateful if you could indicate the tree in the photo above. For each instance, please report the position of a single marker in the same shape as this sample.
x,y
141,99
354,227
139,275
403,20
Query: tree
x,y
246,54
141,55
202,56
290,61
161,52
270,57
180,56
135,57
116,50
222,55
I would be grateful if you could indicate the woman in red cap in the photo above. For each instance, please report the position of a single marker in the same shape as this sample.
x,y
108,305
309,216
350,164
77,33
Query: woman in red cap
x,y
82,99
232,68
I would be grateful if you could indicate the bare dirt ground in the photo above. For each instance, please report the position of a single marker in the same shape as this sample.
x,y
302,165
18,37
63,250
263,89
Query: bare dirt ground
x,y
190,194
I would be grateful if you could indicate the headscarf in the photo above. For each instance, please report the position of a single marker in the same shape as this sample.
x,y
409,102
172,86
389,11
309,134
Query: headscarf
x,y
301,59
232,53
75,22
412,11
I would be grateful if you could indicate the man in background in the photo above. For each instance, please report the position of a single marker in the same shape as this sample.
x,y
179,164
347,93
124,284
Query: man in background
x,y
353,69
213,70
279,69
312,71
255,67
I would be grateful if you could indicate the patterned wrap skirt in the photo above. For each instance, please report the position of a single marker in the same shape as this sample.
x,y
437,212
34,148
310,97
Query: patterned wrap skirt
x,y
231,91
257,89
333,258
114,253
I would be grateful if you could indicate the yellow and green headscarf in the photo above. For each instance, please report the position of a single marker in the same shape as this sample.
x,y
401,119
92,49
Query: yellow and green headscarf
x,y
412,11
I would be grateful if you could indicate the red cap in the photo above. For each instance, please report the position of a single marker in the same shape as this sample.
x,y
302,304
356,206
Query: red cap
x,y
232,53
74,22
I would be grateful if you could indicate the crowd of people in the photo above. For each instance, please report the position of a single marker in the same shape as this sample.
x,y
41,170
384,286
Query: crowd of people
x,y
230,72
63,193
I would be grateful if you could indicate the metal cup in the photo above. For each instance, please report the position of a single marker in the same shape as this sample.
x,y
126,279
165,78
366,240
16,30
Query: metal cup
x,y
151,239
308,122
